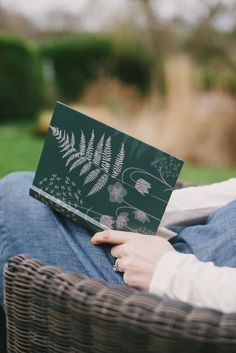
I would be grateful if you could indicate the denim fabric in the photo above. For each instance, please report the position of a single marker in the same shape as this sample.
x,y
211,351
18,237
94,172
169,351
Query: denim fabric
x,y
215,240
30,227
27,226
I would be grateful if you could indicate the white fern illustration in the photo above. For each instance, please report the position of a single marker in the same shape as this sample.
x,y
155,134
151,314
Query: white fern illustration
x,y
71,158
82,145
107,155
119,162
78,162
95,162
89,152
86,168
99,184
92,176
98,152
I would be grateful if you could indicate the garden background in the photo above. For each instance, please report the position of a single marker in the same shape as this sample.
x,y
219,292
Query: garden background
x,y
160,71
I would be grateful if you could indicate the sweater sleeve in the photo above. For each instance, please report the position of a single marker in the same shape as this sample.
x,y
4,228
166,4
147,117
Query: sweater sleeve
x,y
184,277
192,205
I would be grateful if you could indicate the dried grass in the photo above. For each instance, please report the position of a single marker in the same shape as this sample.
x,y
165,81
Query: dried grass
x,y
198,127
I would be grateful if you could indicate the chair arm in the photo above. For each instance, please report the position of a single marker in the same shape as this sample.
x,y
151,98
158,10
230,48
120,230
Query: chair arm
x,y
50,310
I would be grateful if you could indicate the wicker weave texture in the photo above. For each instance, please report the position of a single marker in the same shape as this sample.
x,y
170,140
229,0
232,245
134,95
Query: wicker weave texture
x,y
49,310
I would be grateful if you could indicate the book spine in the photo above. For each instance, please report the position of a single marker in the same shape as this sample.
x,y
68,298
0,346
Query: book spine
x,y
66,210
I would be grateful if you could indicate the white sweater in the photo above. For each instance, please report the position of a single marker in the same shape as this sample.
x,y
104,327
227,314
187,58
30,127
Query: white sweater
x,y
184,277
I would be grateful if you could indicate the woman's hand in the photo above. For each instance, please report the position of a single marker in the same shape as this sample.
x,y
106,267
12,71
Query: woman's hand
x,y
138,254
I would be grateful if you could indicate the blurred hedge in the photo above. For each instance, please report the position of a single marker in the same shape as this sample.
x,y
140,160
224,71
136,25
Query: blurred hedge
x,y
76,61
79,60
132,64
21,78
218,79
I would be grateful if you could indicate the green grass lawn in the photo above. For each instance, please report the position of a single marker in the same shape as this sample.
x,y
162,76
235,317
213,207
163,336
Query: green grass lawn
x,y
20,150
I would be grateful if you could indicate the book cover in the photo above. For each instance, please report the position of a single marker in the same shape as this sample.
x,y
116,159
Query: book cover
x,y
101,177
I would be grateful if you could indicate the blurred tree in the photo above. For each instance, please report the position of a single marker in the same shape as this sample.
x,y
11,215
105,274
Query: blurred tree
x,y
2,17
211,44
62,22
157,36
13,22
207,42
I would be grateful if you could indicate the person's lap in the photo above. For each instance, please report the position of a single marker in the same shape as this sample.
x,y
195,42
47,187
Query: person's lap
x,y
215,240
27,226
30,227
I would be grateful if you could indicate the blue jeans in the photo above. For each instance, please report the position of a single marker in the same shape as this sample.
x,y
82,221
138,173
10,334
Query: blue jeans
x,y
30,227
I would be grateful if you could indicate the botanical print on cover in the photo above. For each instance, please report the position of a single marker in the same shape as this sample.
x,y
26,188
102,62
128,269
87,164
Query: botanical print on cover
x,y
101,175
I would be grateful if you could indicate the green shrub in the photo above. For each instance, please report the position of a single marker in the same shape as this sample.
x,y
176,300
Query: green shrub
x,y
80,60
218,79
77,61
209,79
132,64
20,78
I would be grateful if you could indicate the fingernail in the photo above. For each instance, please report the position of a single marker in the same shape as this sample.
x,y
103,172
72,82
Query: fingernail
x,y
93,239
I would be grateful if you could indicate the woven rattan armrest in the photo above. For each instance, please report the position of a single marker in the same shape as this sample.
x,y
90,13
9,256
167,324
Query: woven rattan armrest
x,y
50,310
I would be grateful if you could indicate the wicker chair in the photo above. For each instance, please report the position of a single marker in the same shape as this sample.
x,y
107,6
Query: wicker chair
x,y
50,310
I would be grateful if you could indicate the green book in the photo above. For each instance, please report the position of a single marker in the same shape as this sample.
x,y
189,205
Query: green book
x,y
101,177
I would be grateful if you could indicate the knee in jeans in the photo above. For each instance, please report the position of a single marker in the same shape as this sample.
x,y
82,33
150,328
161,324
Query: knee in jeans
x,y
14,186
228,211
17,177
